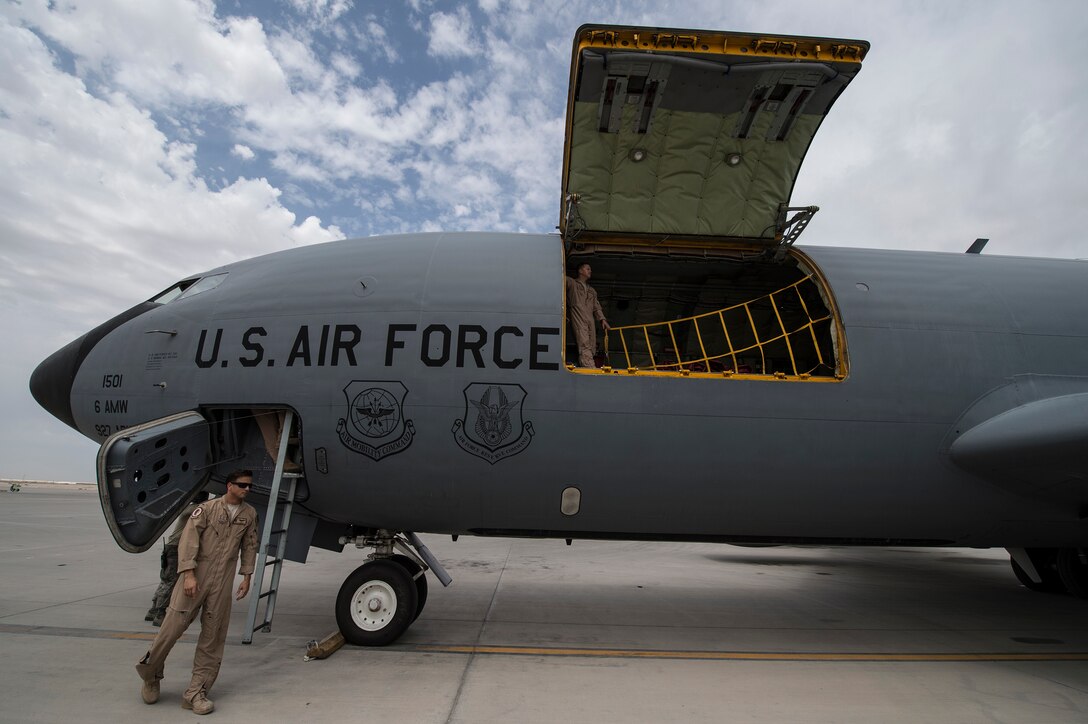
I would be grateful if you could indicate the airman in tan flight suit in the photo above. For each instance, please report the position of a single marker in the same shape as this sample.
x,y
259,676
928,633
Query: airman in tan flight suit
x,y
208,552
582,307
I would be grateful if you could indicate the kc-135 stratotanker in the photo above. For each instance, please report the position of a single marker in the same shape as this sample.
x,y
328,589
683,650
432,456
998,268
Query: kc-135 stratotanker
x,y
749,390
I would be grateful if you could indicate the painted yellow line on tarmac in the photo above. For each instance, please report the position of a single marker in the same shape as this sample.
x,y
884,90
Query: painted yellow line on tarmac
x,y
77,632
754,655
615,653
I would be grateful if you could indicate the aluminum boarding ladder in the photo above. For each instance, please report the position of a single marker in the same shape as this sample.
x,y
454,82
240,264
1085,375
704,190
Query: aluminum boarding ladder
x,y
285,504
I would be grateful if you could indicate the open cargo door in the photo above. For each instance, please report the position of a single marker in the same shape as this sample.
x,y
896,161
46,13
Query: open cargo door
x,y
694,136
148,473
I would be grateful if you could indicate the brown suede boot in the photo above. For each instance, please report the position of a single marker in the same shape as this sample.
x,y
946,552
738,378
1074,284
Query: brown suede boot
x,y
200,704
150,691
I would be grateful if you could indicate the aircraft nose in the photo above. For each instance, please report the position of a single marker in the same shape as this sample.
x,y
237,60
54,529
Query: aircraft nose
x,y
51,382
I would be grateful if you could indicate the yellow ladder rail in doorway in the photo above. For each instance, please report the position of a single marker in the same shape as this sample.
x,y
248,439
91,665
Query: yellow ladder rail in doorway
x,y
799,337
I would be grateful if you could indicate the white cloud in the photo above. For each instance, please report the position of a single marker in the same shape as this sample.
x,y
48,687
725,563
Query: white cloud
x,y
165,51
377,41
324,11
324,124
104,184
345,65
243,152
297,61
451,35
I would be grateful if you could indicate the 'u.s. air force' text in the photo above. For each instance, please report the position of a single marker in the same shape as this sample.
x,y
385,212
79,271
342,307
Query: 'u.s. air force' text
x,y
331,345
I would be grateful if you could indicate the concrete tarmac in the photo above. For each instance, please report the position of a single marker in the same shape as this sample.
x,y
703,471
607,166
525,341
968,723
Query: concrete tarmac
x,y
535,631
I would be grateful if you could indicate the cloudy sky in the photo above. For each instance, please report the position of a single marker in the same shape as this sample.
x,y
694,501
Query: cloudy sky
x,y
145,140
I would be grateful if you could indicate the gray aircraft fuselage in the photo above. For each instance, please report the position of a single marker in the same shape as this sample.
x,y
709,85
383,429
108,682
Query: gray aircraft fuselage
x,y
748,391
387,347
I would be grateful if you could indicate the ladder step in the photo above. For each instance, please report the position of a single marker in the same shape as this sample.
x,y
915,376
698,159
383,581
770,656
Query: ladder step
x,y
272,562
281,531
267,593
283,496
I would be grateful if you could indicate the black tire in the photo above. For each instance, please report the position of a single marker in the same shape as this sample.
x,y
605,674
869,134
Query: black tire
x,y
1045,561
421,581
1073,569
386,585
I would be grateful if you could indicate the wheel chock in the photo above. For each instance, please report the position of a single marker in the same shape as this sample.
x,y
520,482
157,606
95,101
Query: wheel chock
x,y
324,648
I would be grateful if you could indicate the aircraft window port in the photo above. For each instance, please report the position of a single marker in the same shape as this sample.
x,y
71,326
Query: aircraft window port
x,y
188,288
724,315
172,293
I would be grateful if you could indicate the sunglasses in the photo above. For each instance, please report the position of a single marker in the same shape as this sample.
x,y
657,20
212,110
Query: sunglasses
x,y
244,486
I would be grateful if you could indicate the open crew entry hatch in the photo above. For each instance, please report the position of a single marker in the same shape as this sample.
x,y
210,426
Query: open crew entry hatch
x,y
688,142
149,473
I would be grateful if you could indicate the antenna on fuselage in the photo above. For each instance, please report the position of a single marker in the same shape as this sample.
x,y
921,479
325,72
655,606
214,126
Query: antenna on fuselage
x,y
976,248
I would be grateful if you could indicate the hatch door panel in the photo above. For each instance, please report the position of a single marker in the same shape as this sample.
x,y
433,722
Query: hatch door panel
x,y
148,473
693,133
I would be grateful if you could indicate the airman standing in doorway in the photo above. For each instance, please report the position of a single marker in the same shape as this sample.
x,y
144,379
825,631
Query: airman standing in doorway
x,y
270,423
582,308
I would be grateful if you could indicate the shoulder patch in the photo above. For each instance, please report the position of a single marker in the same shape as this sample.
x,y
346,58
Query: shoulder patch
x,y
197,513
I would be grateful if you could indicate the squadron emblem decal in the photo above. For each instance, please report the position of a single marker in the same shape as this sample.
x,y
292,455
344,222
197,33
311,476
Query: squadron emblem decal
x,y
375,424
492,428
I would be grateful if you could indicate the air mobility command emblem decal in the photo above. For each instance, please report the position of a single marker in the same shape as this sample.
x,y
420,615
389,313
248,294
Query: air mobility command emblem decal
x,y
492,428
375,424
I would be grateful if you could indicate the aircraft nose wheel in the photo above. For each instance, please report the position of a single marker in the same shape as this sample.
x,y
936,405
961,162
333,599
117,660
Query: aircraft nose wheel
x,y
376,604
1073,569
